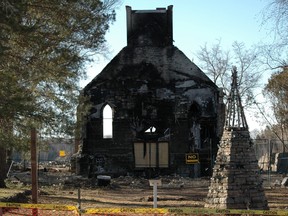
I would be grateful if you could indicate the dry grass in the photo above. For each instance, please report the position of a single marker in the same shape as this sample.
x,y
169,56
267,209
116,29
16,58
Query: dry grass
x,y
131,192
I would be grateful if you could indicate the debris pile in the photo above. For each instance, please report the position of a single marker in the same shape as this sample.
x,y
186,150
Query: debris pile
x,y
23,197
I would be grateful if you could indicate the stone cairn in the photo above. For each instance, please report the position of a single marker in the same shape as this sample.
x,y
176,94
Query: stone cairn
x,y
236,182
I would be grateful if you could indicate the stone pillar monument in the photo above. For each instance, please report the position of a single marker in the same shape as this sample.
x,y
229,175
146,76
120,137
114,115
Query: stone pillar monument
x,y
236,182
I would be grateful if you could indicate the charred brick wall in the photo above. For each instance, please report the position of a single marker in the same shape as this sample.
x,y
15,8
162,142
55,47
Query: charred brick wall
x,y
151,87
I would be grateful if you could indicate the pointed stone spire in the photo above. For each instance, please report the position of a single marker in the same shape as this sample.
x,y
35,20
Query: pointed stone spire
x,y
236,182
235,117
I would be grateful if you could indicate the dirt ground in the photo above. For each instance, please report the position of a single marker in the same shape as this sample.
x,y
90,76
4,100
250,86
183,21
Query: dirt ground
x,y
63,187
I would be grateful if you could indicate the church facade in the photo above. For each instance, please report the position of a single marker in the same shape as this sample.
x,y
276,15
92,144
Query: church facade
x,y
152,109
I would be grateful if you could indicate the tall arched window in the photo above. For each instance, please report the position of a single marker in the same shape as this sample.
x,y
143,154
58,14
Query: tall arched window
x,y
107,122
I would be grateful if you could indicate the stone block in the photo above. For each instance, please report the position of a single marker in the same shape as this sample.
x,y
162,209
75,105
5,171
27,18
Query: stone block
x,y
284,182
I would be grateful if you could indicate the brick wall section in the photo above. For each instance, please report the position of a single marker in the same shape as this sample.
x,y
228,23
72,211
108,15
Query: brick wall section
x,y
150,86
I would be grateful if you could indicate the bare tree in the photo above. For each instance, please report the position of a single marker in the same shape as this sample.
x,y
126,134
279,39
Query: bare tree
x,y
217,63
274,57
276,13
275,17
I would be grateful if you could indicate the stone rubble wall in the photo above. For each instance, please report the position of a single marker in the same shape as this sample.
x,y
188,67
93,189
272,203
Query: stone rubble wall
x,y
236,182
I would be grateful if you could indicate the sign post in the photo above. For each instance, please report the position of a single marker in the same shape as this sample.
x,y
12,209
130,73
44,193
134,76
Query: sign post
x,y
155,183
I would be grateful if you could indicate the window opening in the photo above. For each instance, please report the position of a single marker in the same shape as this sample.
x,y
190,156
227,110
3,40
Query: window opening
x,y
150,130
107,122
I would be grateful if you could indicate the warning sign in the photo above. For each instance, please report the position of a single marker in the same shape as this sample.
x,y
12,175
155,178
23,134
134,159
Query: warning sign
x,y
62,153
192,158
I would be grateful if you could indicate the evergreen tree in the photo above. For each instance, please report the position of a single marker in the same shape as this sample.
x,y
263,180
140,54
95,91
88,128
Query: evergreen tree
x,y
44,45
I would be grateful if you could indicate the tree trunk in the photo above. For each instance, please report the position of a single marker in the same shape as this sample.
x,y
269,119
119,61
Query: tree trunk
x,y
3,167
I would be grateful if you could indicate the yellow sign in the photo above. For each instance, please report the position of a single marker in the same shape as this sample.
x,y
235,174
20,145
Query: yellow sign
x,y
192,158
62,153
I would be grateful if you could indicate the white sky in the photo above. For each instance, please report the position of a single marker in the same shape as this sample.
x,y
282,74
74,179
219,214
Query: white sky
x,y
195,22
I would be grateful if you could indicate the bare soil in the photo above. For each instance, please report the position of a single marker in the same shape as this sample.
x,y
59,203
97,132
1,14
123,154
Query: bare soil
x,y
62,187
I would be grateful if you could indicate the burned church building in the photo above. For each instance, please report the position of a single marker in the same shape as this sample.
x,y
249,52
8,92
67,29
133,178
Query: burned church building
x,y
153,110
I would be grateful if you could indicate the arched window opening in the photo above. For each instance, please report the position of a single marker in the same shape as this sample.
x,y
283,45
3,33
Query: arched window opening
x,y
107,122
151,129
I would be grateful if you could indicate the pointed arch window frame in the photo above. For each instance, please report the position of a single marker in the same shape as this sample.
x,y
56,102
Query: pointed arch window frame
x,y
107,121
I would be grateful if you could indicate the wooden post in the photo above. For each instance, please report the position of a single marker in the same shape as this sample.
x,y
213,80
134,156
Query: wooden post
x,y
34,171
155,183
79,198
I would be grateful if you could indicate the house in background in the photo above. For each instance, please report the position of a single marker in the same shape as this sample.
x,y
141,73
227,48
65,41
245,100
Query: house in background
x,y
152,108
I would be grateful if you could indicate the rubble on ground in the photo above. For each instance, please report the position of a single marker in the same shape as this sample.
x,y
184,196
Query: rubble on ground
x,y
284,182
58,174
23,197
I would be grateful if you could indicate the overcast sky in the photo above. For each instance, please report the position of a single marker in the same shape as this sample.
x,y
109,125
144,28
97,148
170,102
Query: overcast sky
x,y
195,22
